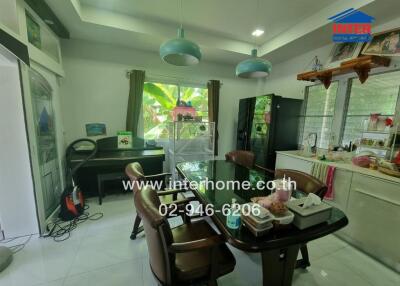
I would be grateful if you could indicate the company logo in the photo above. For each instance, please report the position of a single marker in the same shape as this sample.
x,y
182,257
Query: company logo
x,y
351,26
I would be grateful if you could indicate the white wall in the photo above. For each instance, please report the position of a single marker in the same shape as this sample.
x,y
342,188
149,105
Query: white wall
x,y
96,88
17,201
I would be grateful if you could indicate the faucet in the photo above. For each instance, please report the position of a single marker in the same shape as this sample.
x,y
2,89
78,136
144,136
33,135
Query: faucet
x,y
314,147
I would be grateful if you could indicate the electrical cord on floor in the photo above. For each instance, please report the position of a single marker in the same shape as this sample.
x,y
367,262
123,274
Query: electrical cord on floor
x,y
61,230
8,240
17,247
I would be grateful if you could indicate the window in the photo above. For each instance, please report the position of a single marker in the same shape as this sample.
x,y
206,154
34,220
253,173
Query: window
x,y
160,99
377,95
319,111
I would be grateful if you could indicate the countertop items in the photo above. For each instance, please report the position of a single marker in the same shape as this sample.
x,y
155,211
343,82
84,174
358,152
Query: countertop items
x,y
342,165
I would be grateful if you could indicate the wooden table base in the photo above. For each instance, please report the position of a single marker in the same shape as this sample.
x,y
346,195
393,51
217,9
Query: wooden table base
x,y
278,265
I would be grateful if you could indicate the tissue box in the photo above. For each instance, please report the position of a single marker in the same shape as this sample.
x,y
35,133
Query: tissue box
x,y
311,216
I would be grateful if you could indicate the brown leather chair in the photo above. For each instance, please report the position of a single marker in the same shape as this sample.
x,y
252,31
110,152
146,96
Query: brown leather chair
x,y
246,159
307,184
241,157
191,253
135,173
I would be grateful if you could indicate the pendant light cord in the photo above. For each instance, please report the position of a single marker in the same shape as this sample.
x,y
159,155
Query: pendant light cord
x,y
257,22
180,4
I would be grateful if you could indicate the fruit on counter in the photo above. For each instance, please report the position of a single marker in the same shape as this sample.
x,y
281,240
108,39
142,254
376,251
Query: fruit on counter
x,y
361,161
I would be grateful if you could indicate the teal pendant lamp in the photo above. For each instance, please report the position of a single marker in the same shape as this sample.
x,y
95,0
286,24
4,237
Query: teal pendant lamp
x,y
179,51
254,67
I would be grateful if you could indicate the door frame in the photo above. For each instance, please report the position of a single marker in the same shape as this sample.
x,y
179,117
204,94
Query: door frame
x,y
33,144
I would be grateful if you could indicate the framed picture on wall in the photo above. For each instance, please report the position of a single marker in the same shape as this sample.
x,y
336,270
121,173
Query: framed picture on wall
x,y
33,30
343,52
384,44
96,129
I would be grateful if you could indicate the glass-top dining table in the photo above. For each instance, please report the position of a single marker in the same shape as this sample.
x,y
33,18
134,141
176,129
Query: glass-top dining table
x,y
280,246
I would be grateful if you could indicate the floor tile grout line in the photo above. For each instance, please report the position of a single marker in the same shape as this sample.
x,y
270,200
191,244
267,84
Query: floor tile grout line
x,y
103,267
329,253
73,260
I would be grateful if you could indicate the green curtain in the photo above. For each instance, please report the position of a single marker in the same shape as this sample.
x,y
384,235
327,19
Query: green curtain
x,y
136,83
213,107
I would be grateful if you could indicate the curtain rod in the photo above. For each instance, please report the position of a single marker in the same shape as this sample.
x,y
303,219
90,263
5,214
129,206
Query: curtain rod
x,y
155,75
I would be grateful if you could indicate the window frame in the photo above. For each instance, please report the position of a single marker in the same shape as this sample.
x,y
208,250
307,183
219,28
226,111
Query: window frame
x,y
347,102
179,85
304,111
342,103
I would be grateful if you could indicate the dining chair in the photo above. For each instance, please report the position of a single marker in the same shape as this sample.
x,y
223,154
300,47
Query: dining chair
x,y
307,184
136,175
241,157
190,254
246,159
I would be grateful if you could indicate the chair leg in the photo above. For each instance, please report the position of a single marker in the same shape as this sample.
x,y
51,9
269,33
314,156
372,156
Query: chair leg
x,y
136,228
305,260
212,283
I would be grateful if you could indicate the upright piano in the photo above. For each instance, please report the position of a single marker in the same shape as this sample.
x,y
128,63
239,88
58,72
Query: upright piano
x,y
110,160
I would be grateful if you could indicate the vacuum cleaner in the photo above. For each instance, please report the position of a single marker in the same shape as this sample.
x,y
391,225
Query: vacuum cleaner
x,y
72,202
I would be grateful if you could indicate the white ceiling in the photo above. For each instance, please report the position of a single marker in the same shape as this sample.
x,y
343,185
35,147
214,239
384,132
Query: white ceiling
x,y
234,19
222,28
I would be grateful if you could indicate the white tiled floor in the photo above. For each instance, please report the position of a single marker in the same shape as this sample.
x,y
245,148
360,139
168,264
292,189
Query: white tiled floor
x,y
100,253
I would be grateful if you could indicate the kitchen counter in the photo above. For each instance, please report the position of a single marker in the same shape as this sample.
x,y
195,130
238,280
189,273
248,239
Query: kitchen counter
x,y
342,165
370,199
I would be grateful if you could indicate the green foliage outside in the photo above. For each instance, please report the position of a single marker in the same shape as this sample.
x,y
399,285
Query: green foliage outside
x,y
160,99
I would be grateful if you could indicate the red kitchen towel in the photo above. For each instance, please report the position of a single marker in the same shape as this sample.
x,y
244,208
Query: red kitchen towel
x,y
330,194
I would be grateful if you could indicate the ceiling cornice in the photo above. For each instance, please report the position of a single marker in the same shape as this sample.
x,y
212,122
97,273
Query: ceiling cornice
x,y
310,24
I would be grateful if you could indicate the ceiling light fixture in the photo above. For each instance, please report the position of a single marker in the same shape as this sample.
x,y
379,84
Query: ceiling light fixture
x,y
179,51
257,33
254,67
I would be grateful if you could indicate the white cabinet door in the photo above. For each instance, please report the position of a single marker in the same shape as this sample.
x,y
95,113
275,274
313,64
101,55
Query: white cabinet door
x,y
374,218
341,185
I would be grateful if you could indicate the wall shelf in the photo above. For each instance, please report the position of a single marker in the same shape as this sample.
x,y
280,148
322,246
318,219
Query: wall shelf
x,y
361,65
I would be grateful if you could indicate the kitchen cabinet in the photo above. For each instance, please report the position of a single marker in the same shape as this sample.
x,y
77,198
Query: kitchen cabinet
x,y
374,218
371,201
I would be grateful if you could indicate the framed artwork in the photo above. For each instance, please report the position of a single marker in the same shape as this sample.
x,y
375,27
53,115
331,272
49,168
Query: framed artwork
x,y
384,44
124,139
95,129
343,52
33,29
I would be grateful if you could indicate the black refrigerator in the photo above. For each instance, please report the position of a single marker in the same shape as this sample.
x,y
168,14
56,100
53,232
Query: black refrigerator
x,y
267,124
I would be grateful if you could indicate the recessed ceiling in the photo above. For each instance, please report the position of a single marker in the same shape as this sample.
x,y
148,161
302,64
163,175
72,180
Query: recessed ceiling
x,y
234,19
222,28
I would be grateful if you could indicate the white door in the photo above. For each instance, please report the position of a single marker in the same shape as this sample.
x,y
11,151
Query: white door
x,y
42,115
46,139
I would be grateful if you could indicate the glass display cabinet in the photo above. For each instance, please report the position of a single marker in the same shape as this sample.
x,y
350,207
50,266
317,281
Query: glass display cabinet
x,y
190,141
